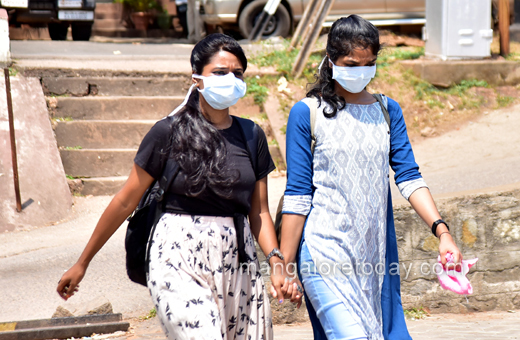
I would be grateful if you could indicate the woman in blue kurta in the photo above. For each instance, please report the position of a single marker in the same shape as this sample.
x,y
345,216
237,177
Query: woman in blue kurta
x,y
338,221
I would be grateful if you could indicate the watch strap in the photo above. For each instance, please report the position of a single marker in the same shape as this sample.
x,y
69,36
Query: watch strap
x,y
436,223
275,252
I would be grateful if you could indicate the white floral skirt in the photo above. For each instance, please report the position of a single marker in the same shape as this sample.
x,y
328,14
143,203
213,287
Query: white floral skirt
x,y
197,285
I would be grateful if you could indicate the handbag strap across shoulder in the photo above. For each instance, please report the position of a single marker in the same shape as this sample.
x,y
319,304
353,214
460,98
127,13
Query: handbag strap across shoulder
x,y
379,98
313,107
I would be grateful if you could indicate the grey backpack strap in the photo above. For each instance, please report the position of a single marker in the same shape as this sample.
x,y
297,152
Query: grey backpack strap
x,y
313,107
379,98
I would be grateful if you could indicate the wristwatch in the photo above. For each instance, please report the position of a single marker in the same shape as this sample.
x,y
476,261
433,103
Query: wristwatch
x,y
436,223
274,252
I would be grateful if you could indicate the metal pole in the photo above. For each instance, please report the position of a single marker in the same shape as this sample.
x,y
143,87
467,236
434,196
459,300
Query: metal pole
x,y
305,52
303,25
13,140
503,26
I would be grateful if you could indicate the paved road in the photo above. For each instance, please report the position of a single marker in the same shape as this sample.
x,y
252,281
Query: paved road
x,y
139,55
478,326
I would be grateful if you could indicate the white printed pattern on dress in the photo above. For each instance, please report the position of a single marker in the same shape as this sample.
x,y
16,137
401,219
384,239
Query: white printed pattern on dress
x,y
347,224
197,285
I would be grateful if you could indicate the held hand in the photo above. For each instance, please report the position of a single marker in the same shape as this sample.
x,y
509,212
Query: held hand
x,y
69,283
277,278
447,245
293,289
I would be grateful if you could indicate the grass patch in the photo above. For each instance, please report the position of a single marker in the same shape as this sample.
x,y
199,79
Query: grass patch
x,y
73,147
62,119
13,72
151,314
503,101
257,89
70,177
390,55
283,60
415,313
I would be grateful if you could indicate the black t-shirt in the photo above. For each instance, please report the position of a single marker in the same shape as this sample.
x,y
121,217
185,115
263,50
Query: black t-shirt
x,y
154,151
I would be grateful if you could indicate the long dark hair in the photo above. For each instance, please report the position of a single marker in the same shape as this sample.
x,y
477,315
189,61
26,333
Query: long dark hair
x,y
346,34
198,146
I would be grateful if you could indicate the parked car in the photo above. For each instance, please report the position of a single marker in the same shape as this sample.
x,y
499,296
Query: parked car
x,y
57,14
244,13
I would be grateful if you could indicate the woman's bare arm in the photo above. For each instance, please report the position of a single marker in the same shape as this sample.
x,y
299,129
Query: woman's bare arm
x,y
121,206
263,229
422,202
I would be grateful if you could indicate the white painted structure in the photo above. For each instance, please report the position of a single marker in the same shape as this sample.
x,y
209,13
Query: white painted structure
x,y
5,54
458,29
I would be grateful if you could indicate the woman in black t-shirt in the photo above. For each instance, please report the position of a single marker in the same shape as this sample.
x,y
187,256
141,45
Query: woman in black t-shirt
x,y
205,283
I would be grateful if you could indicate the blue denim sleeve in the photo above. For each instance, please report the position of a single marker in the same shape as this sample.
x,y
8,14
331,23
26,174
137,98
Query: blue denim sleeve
x,y
407,176
298,192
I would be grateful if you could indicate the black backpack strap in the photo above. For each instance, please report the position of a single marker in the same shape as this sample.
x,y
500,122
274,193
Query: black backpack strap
x,y
250,134
158,204
379,98
249,131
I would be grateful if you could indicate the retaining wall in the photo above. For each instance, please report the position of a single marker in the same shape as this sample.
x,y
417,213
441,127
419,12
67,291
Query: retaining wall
x,y
484,225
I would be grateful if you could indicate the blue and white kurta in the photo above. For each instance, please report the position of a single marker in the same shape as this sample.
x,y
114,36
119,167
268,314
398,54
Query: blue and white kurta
x,y
343,188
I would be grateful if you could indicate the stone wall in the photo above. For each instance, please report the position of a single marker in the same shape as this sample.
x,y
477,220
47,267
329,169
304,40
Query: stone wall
x,y
484,225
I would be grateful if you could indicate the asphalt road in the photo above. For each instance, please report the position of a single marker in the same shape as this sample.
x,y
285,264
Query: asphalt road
x,y
72,49
138,55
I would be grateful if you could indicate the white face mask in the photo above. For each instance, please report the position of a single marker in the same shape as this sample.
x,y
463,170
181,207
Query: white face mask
x,y
353,78
222,92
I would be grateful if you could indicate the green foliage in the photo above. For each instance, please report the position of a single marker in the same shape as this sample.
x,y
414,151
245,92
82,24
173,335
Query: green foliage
x,y
13,72
140,5
70,177
283,60
73,147
465,85
432,96
388,56
415,313
257,90
150,315
504,100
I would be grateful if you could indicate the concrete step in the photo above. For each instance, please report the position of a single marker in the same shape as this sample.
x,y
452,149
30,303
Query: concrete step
x,y
108,11
108,24
102,134
99,186
97,162
117,86
113,108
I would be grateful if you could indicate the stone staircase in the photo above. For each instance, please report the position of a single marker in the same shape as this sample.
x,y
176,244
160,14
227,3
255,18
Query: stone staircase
x,y
100,122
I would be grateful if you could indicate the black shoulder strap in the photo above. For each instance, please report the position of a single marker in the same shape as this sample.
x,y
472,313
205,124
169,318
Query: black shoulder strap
x,y
379,98
250,134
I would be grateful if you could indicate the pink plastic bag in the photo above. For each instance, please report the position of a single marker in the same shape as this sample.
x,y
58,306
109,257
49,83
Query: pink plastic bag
x,y
456,281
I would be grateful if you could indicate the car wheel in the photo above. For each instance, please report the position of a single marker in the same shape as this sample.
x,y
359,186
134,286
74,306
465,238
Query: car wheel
x,y
81,31
58,31
279,24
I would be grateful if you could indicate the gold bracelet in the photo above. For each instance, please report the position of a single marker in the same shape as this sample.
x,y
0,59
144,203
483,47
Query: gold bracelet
x,y
444,232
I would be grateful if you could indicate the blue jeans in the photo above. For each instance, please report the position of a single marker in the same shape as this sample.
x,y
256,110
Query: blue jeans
x,y
334,317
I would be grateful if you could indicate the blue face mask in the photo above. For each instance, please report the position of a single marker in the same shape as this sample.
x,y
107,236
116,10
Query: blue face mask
x,y
222,92
353,79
